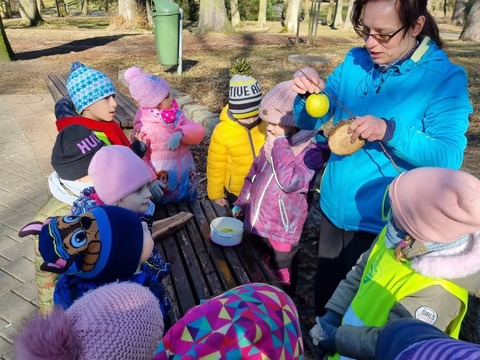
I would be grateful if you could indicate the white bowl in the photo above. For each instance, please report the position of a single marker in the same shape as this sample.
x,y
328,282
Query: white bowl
x,y
226,231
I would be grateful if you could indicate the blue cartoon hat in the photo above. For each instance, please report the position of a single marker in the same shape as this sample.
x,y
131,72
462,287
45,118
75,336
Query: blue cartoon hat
x,y
102,245
87,86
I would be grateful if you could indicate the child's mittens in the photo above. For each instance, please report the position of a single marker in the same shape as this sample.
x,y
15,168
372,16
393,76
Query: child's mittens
x,y
237,211
139,148
155,188
174,141
323,334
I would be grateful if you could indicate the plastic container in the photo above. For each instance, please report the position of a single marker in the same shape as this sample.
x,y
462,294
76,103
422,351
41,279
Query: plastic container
x,y
226,231
166,25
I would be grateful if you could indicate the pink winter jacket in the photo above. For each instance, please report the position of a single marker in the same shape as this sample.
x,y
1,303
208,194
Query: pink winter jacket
x,y
175,167
274,195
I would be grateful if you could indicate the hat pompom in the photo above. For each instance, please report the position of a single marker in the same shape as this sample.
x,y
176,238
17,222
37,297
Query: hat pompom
x,y
75,66
132,73
50,338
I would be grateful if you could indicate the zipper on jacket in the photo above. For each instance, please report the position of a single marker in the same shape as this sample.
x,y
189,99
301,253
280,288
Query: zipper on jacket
x,y
257,210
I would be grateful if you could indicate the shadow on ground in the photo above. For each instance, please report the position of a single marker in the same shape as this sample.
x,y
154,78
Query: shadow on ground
x,y
76,46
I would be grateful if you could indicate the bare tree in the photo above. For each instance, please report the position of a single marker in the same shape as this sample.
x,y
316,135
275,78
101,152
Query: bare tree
x,y
234,13
471,31
292,14
29,13
459,12
84,7
338,14
6,52
262,14
61,8
306,6
127,9
348,22
331,9
213,16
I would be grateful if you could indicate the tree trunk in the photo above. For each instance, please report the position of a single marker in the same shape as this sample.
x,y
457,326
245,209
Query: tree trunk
x,y
84,7
213,17
262,14
348,22
331,8
234,14
6,52
338,15
129,9
5,9
61,8
459,12
471,31
306,11
291,16
29,13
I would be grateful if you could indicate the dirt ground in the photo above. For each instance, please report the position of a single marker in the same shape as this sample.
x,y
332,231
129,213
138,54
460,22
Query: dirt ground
x,y
52,50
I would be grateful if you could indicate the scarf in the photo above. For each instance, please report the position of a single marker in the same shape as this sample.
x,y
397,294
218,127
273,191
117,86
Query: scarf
x,y
111,129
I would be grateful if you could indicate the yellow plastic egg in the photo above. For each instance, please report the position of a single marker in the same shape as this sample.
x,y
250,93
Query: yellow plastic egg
x,y
317,105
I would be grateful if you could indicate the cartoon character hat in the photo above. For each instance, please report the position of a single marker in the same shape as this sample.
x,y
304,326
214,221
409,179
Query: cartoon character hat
x,y
147,89
117,172
244,96
102,245
87,86
250,321
115,321
73,150
277,105
436,204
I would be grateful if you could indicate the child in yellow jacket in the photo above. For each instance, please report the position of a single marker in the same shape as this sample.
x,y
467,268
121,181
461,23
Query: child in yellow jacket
x,y
237,138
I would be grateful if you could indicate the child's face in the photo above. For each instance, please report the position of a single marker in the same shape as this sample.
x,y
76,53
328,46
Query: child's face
x,y
102,110
166,103
278,130
138,200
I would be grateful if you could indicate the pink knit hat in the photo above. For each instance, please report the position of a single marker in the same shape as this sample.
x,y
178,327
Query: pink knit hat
x,y
147,89
436,204
277,105
115,321
116,172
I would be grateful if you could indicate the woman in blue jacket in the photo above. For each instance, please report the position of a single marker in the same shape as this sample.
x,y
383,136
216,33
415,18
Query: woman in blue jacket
x,y
411,106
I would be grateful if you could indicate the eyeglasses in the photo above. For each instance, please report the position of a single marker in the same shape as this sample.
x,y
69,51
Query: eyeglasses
x,y
364,34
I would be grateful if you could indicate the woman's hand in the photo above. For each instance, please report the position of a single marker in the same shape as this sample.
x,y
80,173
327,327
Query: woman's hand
x,y
307,80
368,128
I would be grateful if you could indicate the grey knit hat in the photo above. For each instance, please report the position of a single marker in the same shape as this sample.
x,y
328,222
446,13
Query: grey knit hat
x,y
277,105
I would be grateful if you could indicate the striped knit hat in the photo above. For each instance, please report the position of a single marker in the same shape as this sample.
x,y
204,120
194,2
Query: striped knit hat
x,y
244,96
87,86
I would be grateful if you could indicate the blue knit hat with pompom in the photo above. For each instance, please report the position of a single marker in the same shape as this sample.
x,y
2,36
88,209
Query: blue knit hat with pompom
x,y
87,86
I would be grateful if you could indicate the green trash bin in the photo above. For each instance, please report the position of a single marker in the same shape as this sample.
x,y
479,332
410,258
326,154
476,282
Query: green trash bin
x,y
166,24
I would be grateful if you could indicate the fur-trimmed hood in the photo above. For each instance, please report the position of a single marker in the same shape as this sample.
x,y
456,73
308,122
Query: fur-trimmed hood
x,y
461,266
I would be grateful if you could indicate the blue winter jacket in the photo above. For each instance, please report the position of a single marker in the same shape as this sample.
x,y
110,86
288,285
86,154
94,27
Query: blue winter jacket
x,y
427,99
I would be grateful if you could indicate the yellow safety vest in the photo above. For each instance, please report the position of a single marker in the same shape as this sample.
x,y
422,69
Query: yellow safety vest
x,y
385,281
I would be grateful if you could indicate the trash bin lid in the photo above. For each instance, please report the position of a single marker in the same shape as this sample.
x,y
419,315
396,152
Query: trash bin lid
x,y
165,7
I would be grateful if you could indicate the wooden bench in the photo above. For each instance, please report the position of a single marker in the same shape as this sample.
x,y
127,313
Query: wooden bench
x,y
202,269
124,114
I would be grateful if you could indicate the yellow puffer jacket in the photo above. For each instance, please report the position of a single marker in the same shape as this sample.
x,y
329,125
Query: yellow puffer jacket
x,y
230,155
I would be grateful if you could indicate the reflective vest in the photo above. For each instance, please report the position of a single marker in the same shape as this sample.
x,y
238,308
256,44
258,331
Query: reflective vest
x,y
386,281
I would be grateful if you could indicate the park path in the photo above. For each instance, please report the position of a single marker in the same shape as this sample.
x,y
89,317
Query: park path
x,y
26,140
